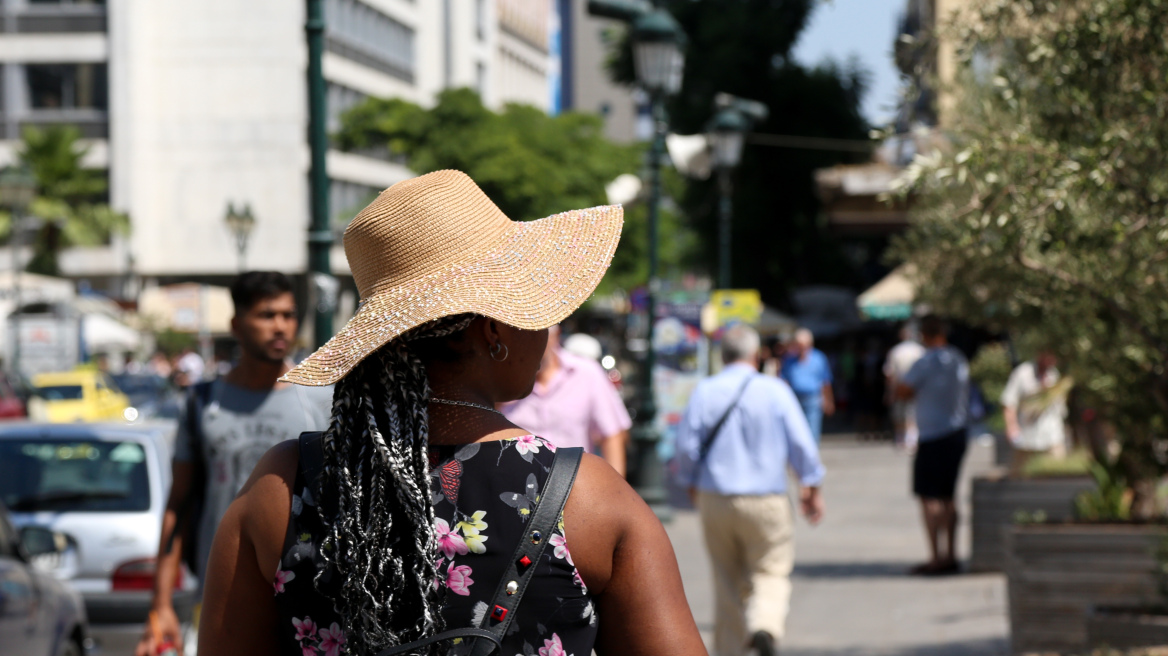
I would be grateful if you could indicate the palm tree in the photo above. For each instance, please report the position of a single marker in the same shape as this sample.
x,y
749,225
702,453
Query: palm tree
x,y
71,199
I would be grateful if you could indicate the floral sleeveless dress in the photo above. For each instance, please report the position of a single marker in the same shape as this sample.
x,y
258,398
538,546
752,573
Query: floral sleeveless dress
x,y
483,496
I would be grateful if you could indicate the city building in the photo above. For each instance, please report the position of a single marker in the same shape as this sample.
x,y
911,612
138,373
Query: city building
x,y
191,107
585,84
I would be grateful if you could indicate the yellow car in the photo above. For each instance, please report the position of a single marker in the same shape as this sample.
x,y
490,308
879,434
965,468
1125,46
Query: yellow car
x,y
80,395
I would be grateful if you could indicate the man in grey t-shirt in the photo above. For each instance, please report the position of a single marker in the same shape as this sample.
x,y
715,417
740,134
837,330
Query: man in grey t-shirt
x,y
939,384
236,420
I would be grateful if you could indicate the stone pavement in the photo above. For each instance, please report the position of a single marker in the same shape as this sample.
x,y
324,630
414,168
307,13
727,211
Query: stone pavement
x,y
851,594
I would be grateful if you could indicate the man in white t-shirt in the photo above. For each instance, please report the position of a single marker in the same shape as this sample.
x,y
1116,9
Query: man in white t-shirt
x,y
1034,405
900,359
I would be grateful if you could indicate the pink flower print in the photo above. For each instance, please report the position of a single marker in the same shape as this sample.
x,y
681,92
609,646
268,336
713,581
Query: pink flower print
x,y
561,548
450,542
550,447
308,650
305,628
527,444
552,647
282,576
458,579
579,580
438,573
332,640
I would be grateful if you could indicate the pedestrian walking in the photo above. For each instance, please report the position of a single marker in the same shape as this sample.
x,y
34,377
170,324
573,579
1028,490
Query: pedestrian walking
x,y
226,426
900,359
740,432
808,372
574,404
422,508
1034,405
939,385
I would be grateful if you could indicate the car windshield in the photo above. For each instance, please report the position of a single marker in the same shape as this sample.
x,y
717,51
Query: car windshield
x,y
59,392
134,385
73,476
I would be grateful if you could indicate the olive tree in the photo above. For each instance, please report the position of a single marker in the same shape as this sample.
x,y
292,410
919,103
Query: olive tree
x,y
1046,209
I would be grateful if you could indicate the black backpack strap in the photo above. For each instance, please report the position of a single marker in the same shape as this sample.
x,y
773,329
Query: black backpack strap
x,y
198,398
311,458
708,442
488,636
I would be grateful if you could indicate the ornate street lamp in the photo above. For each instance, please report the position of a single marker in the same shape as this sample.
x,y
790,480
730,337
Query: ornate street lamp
x,y
727,131
18,187
240,223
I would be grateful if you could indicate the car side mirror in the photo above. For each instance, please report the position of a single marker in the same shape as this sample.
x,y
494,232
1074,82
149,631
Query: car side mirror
x,y
39,541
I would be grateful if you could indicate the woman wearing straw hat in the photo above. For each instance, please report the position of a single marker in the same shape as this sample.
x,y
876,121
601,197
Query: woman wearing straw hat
x,y
409,526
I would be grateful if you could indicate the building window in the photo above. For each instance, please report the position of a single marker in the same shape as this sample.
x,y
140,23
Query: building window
x,y
67,86
66,2
481,79
340,100
481,19
364,34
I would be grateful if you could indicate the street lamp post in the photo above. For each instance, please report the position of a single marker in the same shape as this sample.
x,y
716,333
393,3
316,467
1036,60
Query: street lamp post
x,y
728,130
17,189
240,223
320,234
659,59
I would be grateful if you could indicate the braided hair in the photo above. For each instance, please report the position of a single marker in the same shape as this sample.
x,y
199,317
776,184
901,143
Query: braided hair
x,y
379,541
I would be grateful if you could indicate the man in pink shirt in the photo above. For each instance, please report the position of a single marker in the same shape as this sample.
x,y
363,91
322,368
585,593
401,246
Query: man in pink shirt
x,y
574,404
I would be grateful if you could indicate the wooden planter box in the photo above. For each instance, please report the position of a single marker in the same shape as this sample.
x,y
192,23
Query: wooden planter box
x,y
1126,628
997,499
1058,573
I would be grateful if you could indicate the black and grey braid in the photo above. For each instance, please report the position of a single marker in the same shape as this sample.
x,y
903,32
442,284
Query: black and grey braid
x,y
379,542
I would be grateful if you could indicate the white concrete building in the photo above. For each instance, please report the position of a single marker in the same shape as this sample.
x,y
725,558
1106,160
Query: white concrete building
x,y
191,106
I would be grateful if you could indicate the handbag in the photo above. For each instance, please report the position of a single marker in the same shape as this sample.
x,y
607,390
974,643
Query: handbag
x,y
488,636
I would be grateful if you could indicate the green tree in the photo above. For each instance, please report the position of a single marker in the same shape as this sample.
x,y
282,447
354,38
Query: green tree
x,y
744,48
530,164
1049,212
70,200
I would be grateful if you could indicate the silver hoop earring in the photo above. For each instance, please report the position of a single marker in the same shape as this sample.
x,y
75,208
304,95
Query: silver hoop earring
x,y
498,348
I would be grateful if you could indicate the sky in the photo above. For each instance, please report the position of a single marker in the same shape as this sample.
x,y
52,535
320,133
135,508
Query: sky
x,y
839,29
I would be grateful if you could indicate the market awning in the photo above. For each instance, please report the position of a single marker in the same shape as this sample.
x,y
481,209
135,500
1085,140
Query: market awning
x,y
104,334
892,298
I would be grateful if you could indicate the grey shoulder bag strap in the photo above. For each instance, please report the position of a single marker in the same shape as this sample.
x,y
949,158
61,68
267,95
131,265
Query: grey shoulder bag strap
x,y
708,442
488,636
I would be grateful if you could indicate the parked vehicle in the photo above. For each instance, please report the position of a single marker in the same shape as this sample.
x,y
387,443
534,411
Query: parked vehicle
x,y
79,395
151,395
12,398
39,615
104,488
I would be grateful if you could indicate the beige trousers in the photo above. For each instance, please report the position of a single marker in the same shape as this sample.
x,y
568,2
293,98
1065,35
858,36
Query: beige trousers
x,y
752,551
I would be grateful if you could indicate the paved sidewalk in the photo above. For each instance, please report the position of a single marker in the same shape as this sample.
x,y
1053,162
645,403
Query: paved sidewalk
x,y
851,594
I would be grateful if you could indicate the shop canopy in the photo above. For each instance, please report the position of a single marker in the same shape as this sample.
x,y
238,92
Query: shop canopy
x,y
892,298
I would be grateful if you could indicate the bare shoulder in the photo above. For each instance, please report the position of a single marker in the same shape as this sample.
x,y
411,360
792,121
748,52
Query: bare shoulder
x,y
265,503
602,512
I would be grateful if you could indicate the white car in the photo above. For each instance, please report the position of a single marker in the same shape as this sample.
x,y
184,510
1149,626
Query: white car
x,y
103,487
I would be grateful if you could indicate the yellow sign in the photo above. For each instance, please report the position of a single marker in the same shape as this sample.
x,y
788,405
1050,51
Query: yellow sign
x,y
736,306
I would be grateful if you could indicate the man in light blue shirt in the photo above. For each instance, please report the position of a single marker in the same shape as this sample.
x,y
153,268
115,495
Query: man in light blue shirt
x,y
740,432
808,373
939,384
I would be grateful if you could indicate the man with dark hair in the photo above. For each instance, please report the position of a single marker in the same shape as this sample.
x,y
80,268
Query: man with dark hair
x,y
939,384
228,423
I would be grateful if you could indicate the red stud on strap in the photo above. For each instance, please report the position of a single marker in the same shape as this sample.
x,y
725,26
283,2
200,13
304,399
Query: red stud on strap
x,y
525,561
499,613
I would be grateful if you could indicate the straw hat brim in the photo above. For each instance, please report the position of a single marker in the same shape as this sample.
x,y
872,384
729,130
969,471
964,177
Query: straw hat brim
x,y
532,278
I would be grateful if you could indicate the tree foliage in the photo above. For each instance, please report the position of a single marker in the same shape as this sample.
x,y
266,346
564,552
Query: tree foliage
x,y
1049,212
70,201
530,164
744,48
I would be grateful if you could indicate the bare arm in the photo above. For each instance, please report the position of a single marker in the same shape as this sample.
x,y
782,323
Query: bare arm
x,y
169,563
626,560
239,610
904,392
828,400
614,450
1010,415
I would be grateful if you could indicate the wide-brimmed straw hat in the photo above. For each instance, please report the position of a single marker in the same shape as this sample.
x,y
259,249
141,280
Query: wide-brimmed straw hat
x,y
436,246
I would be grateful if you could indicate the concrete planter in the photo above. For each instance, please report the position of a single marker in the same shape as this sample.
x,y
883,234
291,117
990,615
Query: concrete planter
x,y
1127,628
996,500
1058,573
